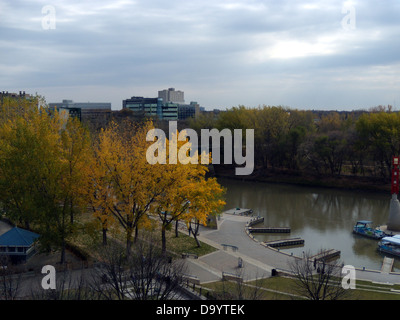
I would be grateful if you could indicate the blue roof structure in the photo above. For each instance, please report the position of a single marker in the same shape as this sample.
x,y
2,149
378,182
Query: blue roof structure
x,y
18,237
364,221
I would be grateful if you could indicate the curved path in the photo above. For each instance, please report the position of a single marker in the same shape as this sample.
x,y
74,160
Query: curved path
x,y
258,260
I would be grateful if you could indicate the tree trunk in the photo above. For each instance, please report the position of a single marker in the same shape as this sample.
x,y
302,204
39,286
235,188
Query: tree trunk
x,y
164,239
197,240
62,252
104,236
195,233
128,242
71,208
176,229
136,234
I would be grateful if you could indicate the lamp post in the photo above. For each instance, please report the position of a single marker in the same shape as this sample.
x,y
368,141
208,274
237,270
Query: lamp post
x,y
395,176
393,223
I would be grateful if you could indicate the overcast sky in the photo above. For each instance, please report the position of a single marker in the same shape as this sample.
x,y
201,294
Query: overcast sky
x,y
340,55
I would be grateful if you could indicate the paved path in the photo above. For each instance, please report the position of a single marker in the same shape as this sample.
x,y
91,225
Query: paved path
x,y
258,260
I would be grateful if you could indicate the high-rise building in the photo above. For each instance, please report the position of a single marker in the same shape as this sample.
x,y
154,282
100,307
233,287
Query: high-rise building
x,y
171,95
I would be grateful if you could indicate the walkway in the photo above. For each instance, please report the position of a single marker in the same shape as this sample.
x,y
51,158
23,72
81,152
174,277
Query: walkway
x,y
258,260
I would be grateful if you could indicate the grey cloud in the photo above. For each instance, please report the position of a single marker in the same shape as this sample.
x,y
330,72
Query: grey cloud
x,y
200,45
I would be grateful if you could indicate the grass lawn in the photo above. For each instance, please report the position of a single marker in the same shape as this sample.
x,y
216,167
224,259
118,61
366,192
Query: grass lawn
x,y
177,245
281,288
185,244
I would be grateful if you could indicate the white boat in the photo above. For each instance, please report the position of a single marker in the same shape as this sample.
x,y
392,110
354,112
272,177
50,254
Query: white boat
x,y
390,245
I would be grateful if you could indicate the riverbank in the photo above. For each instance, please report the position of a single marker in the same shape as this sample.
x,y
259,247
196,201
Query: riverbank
x,y
354,183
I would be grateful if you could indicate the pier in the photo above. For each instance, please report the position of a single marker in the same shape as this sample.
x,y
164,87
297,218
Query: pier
x,y
326,255
269,230
285,242
387,265
240,211
254,221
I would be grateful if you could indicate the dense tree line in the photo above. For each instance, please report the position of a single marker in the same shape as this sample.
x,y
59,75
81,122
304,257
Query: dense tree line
x,y
358,143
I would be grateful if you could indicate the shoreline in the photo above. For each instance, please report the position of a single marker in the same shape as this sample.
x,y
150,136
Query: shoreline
x,y
353,183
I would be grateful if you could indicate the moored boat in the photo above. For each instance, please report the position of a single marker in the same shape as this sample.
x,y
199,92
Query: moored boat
x,y
363,227
390,245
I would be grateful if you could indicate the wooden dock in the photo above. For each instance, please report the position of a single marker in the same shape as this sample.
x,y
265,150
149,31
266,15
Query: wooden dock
x,y
285,242
326,255
387,265
269,230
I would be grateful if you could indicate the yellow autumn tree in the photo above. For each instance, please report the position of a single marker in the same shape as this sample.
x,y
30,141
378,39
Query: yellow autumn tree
x,y
185,192
124,184
129,189
206,200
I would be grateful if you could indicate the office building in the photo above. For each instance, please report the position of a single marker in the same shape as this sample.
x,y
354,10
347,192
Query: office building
x,y
186,111
16,96
83,110
152,107
171,95
170,111
149,107
168,106
21,94
85,106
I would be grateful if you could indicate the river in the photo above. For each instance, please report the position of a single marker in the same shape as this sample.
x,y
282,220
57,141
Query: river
x,y
323,217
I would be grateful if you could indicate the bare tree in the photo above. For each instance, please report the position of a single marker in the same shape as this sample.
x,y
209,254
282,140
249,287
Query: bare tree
x,y
108,278
318,279
237,288
147,273
69,286
9,282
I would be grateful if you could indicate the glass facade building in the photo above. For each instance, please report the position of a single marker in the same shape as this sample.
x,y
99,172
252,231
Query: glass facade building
x,y
149,107
163,110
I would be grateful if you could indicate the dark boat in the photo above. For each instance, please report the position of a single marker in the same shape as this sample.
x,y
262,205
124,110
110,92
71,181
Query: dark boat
x,y
363,228
390,245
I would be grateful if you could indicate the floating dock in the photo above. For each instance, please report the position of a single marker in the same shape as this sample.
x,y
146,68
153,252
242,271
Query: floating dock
x,y
239,211
387,265
255,221
326,255
284,242
269,230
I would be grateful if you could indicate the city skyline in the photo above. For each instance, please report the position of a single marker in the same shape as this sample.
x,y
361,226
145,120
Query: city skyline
x,y
336,55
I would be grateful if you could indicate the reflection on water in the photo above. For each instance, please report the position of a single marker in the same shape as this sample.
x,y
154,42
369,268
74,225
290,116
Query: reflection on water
x,y
324,218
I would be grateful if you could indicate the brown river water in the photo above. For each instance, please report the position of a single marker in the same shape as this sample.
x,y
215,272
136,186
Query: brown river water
x,y
323,217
